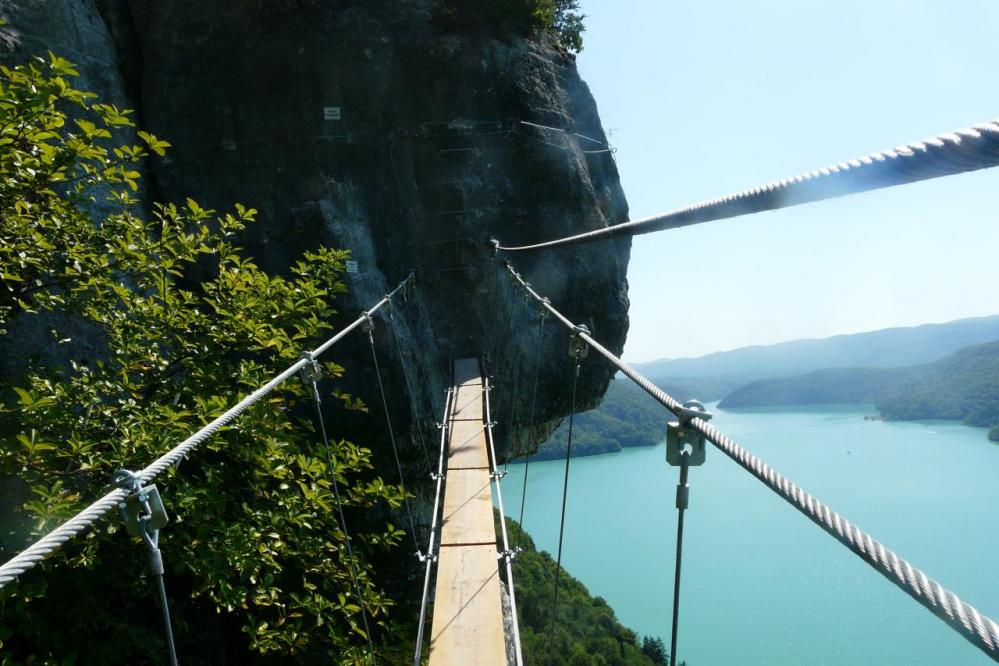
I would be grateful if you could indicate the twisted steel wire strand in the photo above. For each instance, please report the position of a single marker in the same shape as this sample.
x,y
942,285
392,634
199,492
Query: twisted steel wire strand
x,y
961,616
964,150
55,539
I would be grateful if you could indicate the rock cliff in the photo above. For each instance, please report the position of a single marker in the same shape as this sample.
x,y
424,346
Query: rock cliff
x,y
374,127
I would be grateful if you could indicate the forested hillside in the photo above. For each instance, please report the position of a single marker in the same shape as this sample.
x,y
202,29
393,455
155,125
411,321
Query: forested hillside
x,y
587,632
627,417
964,386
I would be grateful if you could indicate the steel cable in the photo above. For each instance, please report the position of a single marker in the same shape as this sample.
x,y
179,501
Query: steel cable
x,y
957,152
429,557
961,616
55,539
409,391
343,520
565,495
391,432
534,402
507,555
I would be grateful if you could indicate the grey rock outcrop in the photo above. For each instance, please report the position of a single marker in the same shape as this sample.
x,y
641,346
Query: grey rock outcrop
x,y
368,126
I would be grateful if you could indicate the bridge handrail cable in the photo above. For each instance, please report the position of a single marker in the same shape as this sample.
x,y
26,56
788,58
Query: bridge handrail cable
x,y
59,536
961,616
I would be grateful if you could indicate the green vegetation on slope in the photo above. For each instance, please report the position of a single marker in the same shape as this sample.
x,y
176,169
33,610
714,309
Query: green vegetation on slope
x,y
587,632
626,417
558,18
256,564
963,386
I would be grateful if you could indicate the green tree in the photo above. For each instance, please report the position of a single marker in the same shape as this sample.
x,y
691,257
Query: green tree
x,y
254,548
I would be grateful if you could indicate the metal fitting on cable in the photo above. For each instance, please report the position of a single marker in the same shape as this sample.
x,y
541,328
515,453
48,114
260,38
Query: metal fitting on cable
x,y
578,349
508,555
311,372
498,474
495,244
679,435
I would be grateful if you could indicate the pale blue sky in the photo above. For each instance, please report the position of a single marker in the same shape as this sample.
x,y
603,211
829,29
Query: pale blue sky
x,y
702,98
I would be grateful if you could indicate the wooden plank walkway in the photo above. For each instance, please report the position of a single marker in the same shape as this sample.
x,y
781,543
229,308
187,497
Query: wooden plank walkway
x,y
468,616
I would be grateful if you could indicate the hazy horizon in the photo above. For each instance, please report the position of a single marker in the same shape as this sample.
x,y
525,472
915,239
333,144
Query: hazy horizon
x,y
822,337
703,99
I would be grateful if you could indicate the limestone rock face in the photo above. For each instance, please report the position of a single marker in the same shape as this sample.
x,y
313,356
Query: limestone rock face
x,y
371,126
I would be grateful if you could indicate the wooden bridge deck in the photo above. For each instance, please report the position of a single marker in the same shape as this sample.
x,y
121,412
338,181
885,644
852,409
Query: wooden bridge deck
x,y
468,617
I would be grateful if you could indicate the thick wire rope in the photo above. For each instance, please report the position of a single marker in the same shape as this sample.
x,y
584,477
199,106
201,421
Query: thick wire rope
x,y
964,150
83,520
409,390
980,630
565,495
395,449
339,507
430,556
534,403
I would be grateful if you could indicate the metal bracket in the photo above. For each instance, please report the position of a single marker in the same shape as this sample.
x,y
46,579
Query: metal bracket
x,y
311,371
679,435
509,555
142,504
423,558
577,346
497,475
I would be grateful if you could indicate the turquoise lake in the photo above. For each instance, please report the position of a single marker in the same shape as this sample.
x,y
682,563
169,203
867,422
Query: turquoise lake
x,y
761,583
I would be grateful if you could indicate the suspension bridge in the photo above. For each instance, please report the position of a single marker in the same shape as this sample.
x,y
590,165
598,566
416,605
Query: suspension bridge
x,y
467,567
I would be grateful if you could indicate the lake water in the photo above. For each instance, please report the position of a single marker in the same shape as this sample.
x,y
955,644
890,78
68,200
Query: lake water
x,y
761,583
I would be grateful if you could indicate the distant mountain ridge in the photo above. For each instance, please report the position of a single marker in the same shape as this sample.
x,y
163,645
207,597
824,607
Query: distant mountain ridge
x,y
963,386
885,348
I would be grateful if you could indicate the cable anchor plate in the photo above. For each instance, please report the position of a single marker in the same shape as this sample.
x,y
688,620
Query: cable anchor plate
x,y
679,435
143,503
577,346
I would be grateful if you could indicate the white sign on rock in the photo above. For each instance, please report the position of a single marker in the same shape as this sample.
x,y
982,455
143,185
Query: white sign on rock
x,y
351,266
331,113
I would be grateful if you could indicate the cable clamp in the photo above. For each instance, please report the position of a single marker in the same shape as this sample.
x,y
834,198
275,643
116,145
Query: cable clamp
x,y
497,474
495,244
311,372
368,325
508,555
423,558
679,435
578,348
142,510
435,476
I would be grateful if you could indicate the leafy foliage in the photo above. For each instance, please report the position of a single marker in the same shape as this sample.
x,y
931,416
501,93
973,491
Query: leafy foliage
x,y
254,544
587,632
558,18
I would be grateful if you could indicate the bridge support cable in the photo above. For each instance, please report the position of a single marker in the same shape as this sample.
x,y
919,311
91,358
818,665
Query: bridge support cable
x,y
978,629
410,321
409,389
507,555
534,403
369,326
430,556
964,150
311,374
83,520
578,355
681,506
